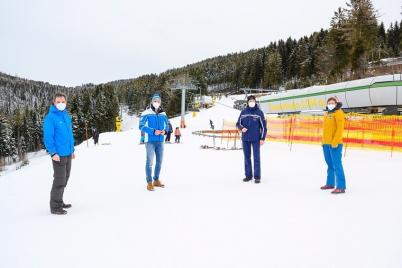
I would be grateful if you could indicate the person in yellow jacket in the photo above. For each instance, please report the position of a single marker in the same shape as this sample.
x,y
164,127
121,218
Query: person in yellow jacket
x,y
332,144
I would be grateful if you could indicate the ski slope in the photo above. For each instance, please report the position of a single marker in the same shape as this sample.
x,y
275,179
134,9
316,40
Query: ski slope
x,y
206,216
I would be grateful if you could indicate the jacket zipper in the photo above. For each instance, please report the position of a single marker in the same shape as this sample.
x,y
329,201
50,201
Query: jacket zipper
x,y
67,128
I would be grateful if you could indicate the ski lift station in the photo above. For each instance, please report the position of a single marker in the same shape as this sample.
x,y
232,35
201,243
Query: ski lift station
x,y
379,94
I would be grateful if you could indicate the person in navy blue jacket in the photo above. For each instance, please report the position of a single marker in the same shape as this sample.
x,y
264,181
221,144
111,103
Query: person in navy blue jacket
x,y
59,142
252,124
154,124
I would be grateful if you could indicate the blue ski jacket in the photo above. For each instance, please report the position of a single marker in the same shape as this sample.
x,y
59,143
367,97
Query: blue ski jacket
x,y
254,120
152,120
58,132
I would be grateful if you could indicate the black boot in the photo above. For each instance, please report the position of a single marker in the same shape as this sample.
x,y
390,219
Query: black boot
x,y
58,211
67,205
257,180
247,179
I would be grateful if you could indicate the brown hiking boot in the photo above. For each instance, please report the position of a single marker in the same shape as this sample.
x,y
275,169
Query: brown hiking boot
x,y
158,183
150,187
338,191
327,187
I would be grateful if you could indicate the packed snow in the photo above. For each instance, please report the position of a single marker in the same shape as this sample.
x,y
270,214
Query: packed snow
x,y
129,121
206,216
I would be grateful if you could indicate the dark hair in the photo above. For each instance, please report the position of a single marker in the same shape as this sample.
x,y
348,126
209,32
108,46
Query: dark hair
x,y
251,97
59,95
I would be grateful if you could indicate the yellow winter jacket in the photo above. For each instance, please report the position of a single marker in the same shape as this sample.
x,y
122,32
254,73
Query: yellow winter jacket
x,y
334,124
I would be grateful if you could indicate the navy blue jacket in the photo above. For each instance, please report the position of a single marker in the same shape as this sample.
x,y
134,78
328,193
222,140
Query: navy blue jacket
x,y
58,132
152,120
254,120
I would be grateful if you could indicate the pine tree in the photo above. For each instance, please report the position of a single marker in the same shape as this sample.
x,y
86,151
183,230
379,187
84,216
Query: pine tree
x,y
258,70
339,46
288,61
273,71
394,39
362,31
7,141
382,36
22,148
357,55
380,51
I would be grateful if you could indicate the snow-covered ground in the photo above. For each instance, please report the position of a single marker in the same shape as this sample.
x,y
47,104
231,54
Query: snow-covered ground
x,y
230,100
206,216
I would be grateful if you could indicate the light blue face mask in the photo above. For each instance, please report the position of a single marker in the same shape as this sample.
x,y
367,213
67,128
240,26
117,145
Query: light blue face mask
x,y
61,106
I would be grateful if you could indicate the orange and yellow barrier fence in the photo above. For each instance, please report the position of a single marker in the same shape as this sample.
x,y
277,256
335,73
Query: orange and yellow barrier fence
x,y
362,131
379,132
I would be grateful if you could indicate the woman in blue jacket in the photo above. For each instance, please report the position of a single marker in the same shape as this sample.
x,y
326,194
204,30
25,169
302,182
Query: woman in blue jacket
x,y
252,124
154,125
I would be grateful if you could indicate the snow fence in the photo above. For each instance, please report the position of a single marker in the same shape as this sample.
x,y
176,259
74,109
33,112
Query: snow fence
x,y
374,132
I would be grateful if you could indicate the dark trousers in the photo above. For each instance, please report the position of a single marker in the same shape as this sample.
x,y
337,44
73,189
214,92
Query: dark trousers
x,y
61,175
168,134
177,140
247,145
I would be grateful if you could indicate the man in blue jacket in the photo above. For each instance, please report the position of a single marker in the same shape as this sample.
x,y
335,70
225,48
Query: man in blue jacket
x,y
59,143
154,125
252,124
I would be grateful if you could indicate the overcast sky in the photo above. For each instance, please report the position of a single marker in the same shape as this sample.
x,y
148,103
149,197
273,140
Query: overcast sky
x,y
71,42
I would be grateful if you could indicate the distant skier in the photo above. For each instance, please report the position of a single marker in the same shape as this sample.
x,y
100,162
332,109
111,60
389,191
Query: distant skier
x,y
177,134
169,132
211,124
95,135
154,124
334,124
59,142
252,124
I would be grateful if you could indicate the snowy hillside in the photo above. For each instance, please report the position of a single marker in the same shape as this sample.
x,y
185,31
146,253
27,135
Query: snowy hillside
x,y
206,216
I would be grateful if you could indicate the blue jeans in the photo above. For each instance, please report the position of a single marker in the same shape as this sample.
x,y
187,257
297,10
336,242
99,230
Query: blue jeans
x,y
335,173
153,148
247,145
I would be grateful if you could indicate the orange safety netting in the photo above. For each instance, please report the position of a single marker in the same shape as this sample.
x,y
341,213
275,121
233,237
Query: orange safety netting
x,y
381,132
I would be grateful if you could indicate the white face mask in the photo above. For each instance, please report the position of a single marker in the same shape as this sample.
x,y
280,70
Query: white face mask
x,y
331,106
156,104
251,104
61,106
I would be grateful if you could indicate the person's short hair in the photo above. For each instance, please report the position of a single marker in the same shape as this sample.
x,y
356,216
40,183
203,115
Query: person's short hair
x,y
251,97
59,95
